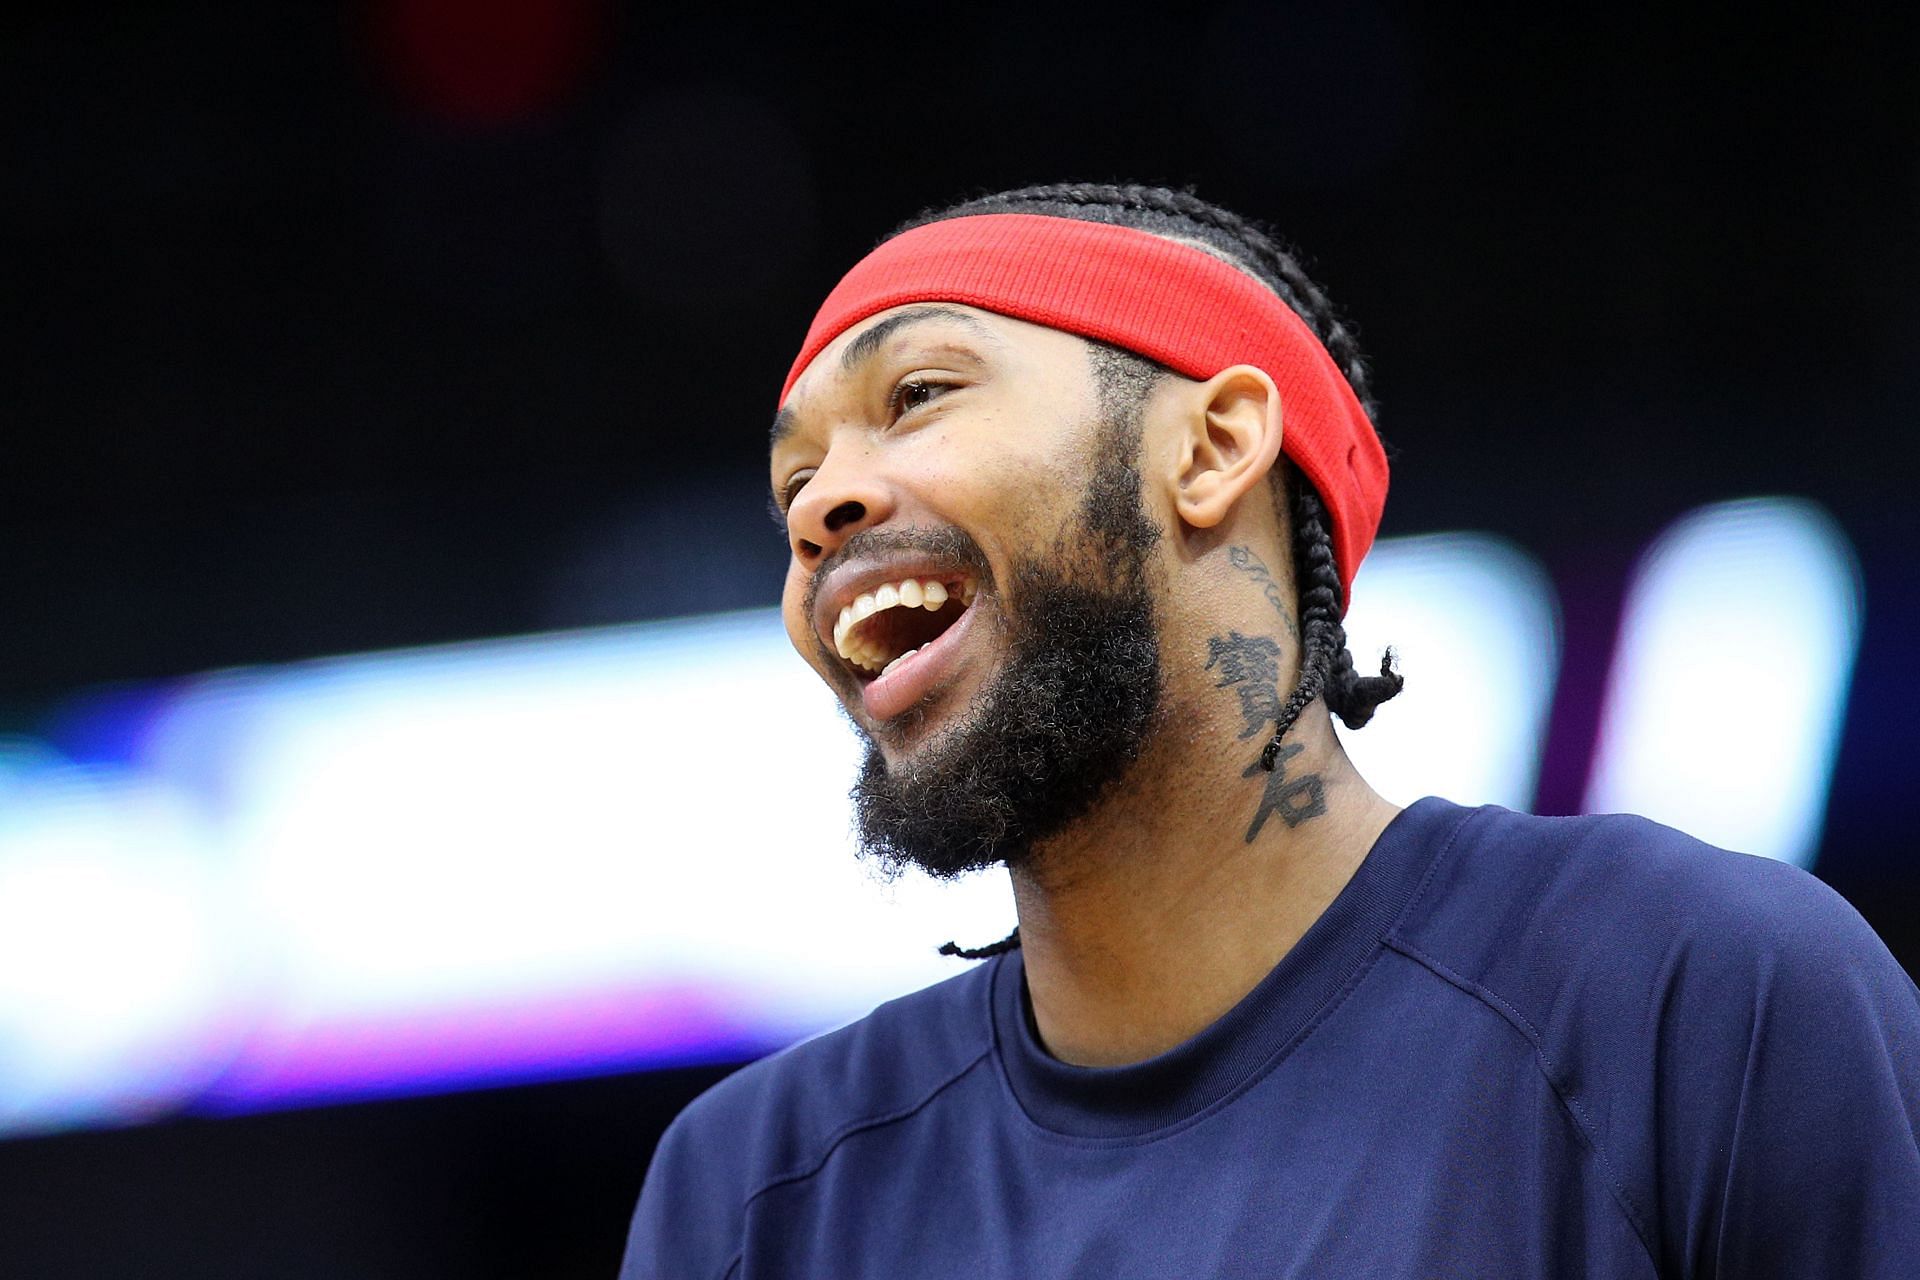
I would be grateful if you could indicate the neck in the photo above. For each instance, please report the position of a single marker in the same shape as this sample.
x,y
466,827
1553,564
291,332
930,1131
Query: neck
x,y
1156,915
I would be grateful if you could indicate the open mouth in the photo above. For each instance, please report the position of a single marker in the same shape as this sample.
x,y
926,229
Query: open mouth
x,y
891,623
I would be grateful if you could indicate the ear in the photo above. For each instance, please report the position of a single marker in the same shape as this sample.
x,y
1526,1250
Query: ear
x,y
1232,442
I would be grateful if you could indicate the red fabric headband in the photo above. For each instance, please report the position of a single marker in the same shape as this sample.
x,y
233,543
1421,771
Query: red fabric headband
x,y
1164,300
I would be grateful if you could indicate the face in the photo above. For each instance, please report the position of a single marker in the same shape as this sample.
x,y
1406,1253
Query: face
x,y
969,573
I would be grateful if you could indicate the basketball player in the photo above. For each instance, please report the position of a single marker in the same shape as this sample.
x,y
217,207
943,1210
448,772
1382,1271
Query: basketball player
x,y
1076,480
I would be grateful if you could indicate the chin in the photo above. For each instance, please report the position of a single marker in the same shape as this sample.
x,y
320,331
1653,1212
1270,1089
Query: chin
x,y
919,732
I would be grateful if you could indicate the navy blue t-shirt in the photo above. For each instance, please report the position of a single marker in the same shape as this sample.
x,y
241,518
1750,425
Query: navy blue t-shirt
x,y
1512,1046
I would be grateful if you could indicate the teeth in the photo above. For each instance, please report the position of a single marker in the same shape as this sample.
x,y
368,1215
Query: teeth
x,y
912,593
897,661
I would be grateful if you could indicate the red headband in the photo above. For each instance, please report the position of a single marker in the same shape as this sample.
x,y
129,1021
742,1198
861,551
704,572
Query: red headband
x,y
1164,300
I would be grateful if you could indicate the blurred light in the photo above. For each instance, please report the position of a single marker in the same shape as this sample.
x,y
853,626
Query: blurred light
x,y
1725,700
114,962
1473,623
504,835
614,569
550,856
487,62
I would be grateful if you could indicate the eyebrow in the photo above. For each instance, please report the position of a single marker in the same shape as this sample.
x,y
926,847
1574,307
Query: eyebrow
x,y
867,345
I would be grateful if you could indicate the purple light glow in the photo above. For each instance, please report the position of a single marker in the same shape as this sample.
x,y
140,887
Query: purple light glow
x,y
445,1048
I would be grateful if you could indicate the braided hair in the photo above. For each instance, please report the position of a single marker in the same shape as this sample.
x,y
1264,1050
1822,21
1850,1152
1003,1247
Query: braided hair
x,y
1327,671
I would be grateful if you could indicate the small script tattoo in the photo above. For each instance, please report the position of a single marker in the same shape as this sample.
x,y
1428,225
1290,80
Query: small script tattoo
x,y
1250,666
1248,562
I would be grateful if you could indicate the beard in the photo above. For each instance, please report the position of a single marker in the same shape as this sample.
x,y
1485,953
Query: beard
x,y
1063,720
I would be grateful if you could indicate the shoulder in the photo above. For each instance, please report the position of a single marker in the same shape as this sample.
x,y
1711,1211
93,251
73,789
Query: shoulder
x,y
1624,949
1526,905
790,1107
781,1118
1691,1007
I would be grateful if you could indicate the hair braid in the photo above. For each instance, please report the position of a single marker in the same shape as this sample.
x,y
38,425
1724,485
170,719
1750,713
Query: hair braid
x,y
1326,666
1007,943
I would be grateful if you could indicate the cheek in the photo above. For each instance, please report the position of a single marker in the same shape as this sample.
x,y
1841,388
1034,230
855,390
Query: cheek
x,y
1024,504
1000,480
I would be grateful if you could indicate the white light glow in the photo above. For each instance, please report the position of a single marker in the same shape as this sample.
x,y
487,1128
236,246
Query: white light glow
x,y
113,962
525,820
388,870
1474,624
1724,706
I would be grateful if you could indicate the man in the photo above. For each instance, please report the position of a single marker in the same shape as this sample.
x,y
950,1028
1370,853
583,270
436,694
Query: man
x,y
1076,480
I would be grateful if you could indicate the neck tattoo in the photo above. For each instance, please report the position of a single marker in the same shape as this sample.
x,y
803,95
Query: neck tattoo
x,y
1250,666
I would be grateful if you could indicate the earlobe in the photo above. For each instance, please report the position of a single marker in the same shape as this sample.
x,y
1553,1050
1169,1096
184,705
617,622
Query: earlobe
x,y
1233,439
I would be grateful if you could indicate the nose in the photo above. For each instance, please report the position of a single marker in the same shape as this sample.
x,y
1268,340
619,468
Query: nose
x,y
843,497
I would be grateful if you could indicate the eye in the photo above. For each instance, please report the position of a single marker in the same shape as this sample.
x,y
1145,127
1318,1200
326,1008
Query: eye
x,y
783,497
914,392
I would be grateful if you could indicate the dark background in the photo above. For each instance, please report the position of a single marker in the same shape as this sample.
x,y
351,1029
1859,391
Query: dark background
x,y
328,328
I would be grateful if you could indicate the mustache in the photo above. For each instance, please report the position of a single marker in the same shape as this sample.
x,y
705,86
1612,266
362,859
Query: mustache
x,y
947,544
